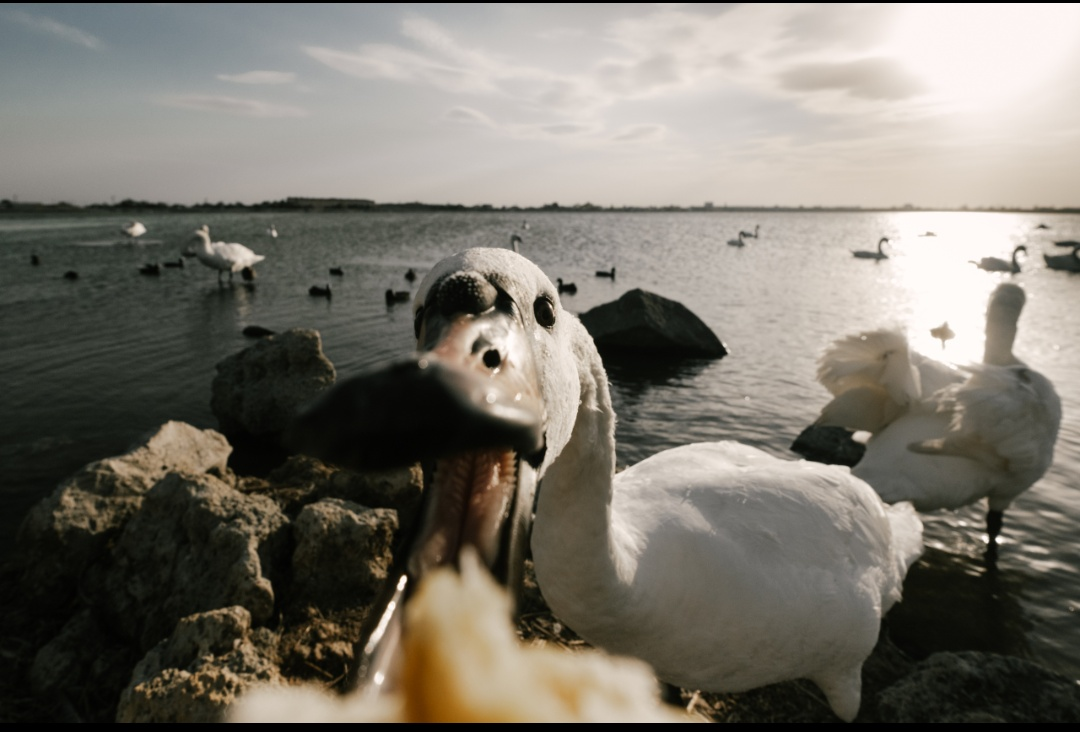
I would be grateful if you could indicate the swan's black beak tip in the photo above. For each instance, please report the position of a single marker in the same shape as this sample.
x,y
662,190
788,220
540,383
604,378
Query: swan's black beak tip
x,y
414,410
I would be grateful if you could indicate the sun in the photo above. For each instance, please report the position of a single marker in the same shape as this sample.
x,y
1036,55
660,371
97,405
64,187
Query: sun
x,y
978,57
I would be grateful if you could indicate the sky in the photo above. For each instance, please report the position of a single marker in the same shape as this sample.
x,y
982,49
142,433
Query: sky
x,y
518,104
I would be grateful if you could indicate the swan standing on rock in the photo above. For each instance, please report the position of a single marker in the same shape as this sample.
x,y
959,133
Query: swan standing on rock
x,y
221,256
943,438
879,254
721,566
996,264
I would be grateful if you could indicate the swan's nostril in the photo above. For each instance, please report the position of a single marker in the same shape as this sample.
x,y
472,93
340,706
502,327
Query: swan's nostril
x,y
492,358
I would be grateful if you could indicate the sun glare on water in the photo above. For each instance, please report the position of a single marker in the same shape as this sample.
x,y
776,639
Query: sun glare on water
x,y
980,57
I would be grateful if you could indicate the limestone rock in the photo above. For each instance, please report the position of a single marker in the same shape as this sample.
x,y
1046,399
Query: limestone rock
x,y
343,552
66,532
259,390
980,687
645,322
196,544
311,480
196,673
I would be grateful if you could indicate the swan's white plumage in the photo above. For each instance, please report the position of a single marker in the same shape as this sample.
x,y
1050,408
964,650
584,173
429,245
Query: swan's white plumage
x,y
986,431
721,566
222,256
133,229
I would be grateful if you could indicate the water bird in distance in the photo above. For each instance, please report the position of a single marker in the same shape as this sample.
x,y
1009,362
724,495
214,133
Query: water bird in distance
x,y
606,273
316,291
996,264
133,230
879,254
1066,262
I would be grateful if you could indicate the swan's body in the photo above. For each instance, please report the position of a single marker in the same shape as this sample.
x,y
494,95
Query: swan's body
x,y
566,287
748,235
316,291
722,567
996,264
606,273
879,254
133,229
272,232
739,241
222,256
1067,262
945,438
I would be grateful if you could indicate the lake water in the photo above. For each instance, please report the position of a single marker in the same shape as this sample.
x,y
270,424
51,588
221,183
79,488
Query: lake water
x,y
89,365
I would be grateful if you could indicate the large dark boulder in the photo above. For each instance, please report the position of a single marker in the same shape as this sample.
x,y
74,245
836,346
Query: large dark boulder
x,y
645,322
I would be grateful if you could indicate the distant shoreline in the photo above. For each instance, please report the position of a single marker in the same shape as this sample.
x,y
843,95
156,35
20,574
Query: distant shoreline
x,y
330,205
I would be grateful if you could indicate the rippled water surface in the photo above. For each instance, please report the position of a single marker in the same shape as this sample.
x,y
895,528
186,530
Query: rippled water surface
x,y
88,365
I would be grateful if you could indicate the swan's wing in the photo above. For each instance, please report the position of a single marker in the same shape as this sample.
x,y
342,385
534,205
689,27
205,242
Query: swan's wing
x,y
1006,417
935,375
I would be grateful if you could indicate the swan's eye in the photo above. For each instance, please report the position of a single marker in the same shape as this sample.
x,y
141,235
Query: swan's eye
x,y
544,310
418,319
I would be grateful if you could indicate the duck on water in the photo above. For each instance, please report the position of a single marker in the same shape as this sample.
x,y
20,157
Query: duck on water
x,y
721,566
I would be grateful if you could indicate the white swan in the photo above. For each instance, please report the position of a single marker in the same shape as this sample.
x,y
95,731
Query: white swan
x,y
722,567
996,264
1066,262
879,254
944,438
222,256
133,229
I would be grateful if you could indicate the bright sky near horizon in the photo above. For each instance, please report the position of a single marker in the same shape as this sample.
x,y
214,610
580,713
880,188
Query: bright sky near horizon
x,y
646,104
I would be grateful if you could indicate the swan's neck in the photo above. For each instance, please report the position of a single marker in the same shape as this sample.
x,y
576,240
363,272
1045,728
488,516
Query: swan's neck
x,y
203,246
1000,335
578,556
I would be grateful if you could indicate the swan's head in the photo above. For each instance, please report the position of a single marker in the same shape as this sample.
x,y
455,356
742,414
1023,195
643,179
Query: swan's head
x,y
487,402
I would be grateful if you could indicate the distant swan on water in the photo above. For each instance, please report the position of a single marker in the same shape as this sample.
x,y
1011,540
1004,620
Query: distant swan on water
x,y
996,264
133,229
879,254
737,242
1066,262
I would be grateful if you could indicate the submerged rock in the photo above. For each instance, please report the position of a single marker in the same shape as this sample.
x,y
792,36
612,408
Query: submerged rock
x,y
645,322
259,390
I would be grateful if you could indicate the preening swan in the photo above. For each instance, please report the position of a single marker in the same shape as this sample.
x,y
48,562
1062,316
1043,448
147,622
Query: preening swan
x,y
722,567
221,256
945,438
1067,262
879,254
996,264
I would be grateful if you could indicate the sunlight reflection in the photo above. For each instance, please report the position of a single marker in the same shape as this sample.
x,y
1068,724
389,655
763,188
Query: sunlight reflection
x,y
941,283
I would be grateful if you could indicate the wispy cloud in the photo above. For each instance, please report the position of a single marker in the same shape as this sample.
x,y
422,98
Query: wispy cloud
x,y
232,105
640,133
56,29
466,115
260,77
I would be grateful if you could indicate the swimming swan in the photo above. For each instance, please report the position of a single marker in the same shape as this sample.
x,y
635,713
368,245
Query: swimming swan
x,y
221,256
996,264
945,438
1066,262
722,567
879,254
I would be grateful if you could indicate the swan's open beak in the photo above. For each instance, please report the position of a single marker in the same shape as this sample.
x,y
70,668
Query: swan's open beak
x,y
468,406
